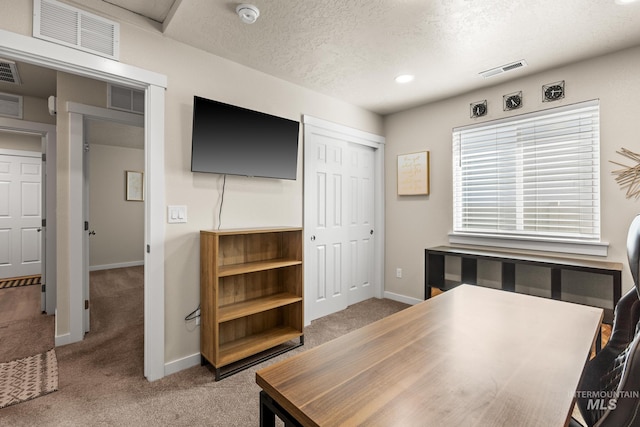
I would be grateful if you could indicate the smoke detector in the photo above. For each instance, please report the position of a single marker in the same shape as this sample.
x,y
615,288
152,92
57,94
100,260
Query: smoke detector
x,y
248,13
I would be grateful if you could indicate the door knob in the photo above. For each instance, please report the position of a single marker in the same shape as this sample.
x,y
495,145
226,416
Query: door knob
x,y
92,233
313,238
39,230
371,232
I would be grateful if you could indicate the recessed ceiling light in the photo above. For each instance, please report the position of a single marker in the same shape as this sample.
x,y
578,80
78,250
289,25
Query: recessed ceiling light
x,y
404,78
625,1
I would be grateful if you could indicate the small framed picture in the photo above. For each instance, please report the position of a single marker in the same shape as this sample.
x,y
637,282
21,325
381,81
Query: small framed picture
x,y
413,174
135,186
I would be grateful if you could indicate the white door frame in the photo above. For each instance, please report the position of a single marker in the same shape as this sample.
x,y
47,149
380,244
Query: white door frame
x,y
50,55
78,114
48,135
371,140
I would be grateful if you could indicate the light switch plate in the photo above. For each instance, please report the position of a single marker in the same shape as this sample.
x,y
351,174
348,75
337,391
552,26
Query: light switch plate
x,y
176,214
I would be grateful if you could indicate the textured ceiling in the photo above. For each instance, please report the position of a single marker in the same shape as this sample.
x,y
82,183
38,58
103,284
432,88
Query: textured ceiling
x,y
353,49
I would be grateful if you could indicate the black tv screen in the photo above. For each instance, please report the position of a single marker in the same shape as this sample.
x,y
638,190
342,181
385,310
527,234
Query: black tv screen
x,y
232,140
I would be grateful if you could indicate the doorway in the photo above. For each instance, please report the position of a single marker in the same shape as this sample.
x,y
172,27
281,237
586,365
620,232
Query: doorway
x,y
21,235
22,48
27,297
40,138
20,212
115,140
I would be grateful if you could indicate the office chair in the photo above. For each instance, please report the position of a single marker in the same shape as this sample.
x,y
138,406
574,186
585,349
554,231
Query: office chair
x,y
609,391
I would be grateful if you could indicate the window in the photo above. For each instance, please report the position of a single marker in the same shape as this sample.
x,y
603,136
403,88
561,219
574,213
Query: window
x,y
531,177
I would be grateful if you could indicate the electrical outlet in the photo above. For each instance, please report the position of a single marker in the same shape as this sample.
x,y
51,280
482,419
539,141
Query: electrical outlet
x,y
399,273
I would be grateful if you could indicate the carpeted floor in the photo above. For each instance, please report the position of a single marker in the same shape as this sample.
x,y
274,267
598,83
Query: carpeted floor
x,y
24,330
101,378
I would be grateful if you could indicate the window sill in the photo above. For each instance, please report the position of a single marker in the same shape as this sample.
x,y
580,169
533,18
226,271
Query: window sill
x,y
565,246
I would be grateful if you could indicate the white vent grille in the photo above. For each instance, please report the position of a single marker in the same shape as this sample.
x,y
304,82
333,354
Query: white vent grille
x,y
125,99
59,23
10,105
504,68
9,72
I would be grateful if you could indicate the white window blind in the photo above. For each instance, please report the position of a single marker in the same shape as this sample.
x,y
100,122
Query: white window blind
x,y
535,176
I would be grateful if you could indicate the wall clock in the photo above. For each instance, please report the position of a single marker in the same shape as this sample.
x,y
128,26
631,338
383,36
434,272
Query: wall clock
x,y
512,101
478,109
553,91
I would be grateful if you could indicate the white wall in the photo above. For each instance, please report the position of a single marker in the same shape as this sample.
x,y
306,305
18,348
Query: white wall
x,y
37,110
416,223
118,223
248,202
22,142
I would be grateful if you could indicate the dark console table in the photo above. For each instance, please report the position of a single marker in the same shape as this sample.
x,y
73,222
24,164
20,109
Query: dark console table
x,y
434,270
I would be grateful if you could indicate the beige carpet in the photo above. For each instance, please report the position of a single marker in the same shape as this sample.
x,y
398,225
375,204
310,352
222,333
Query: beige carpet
x,y
24,330
102,382
27,378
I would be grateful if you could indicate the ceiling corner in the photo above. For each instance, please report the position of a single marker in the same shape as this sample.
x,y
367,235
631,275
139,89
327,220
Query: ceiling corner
x,y
172,12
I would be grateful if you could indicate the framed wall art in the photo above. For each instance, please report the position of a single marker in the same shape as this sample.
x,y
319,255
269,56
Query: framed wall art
x,y
135,186
413,174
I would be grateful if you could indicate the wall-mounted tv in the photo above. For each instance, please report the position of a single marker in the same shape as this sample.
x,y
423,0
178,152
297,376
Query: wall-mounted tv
x,y
227,139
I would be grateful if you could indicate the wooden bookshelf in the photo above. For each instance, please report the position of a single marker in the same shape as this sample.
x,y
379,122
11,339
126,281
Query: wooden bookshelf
x,y
251,296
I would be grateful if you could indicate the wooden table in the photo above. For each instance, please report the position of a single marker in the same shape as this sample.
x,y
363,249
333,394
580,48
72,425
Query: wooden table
x,y
472,356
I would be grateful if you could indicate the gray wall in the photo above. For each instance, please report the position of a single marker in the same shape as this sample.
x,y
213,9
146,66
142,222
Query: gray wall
x,y
415,223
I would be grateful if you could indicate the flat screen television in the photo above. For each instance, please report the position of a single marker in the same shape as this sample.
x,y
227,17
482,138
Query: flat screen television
x,y
227,139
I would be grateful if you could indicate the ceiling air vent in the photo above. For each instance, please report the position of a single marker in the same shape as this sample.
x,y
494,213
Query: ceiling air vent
x,y
69,26
10,105
9,72
503,69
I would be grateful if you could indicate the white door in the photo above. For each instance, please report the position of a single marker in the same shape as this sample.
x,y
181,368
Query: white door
x,y
20,215
339,211
360,223
326,271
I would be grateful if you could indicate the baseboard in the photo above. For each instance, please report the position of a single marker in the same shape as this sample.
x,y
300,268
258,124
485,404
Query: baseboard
x,y
401,298
116,265
181,364
61,340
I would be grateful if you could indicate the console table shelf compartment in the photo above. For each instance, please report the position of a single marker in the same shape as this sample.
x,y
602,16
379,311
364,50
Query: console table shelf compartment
x,y
251,295
435,269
